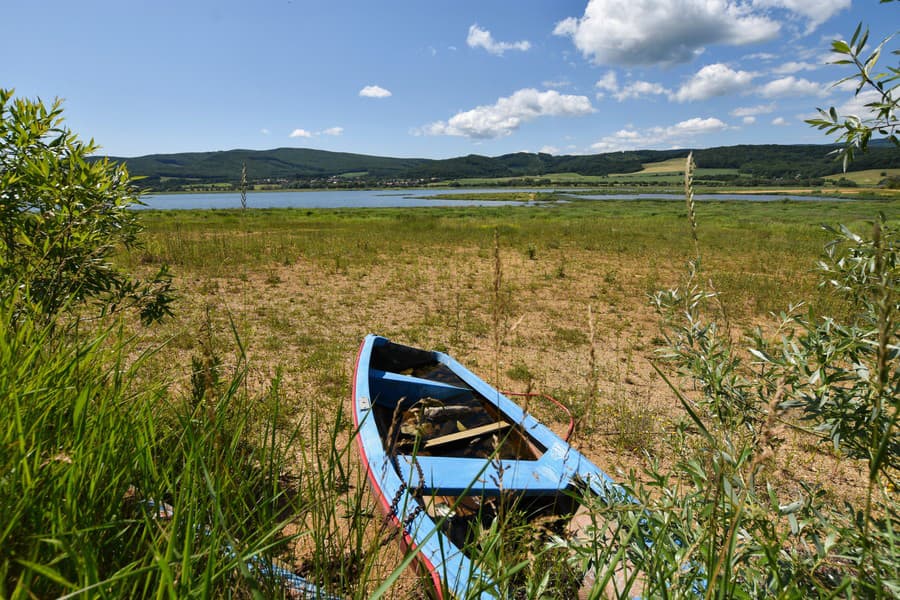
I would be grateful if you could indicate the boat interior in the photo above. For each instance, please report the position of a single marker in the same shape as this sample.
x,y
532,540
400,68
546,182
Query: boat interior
x,y
422,407
437,428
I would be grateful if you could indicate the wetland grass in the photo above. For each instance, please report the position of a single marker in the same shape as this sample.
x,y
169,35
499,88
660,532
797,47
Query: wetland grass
x,y
115,487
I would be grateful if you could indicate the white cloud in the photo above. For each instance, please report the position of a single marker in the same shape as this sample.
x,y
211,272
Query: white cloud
x,y
549,150
829,57
815,11
696,126
779,121
634,89
482,38
374,91
672,136
644,32
791,86
561,83
264,131
297,133
749,111
713,80
795,67
846,86
508,114
638,89
608,82
749,120
856,105
764,56
624,139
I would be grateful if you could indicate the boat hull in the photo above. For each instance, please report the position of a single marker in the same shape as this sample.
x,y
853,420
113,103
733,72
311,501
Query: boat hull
x,y
434,437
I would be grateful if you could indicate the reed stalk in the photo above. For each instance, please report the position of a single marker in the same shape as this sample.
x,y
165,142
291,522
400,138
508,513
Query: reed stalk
x,y
689,167
244,186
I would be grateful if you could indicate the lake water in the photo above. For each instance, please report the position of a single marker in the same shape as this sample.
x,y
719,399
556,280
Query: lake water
x,y
402,199
325,199
748,197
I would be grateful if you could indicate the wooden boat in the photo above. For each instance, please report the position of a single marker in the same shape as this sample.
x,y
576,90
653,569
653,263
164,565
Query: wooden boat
x,y
442,447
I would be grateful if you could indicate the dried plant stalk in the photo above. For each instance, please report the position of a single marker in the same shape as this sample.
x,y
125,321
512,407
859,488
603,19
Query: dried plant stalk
x,y
689,199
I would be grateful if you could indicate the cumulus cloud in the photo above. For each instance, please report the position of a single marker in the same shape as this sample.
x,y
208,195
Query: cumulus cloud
x,y
695,126
764,56
856,105
549,150
560,83
646,32
815,11
303,133
264,131
508,114
635,89
638,89
791,87
749,111
482,38
608,82
779,121
673,135
795,67
374,91
713,80
845,86
749,120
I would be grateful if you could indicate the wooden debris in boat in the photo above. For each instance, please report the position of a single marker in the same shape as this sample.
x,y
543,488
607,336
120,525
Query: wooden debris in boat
x,y
443,413
467,434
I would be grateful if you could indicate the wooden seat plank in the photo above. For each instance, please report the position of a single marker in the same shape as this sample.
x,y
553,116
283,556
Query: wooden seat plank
x,y
466,434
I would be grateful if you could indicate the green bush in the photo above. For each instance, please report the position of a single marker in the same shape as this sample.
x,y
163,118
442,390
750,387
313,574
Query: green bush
x,y
62,216
837,378
112,486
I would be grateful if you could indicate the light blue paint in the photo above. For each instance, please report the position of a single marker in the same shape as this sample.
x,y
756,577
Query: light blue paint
x,y
558,469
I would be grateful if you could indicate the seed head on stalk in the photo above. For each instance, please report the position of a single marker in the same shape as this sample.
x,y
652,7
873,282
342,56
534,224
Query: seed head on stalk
x,y
689,199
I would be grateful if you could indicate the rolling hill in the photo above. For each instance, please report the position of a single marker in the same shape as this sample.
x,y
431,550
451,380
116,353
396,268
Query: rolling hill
x,y
284,165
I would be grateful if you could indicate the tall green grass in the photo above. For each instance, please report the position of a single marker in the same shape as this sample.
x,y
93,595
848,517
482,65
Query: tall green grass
x,y
114,486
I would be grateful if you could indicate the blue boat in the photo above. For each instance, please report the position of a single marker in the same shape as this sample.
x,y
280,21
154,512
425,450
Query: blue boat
x,y
440,445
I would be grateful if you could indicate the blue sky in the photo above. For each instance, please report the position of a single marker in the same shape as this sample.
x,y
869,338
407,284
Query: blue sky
x,y
434,78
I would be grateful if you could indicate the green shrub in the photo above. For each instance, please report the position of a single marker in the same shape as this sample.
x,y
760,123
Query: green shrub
x,y
838,377
62,216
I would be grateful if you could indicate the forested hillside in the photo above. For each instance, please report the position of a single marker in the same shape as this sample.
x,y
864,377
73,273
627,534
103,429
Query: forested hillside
x,y
303,167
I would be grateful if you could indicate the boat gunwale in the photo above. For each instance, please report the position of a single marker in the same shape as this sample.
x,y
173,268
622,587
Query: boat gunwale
x,y
568,468
375,482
